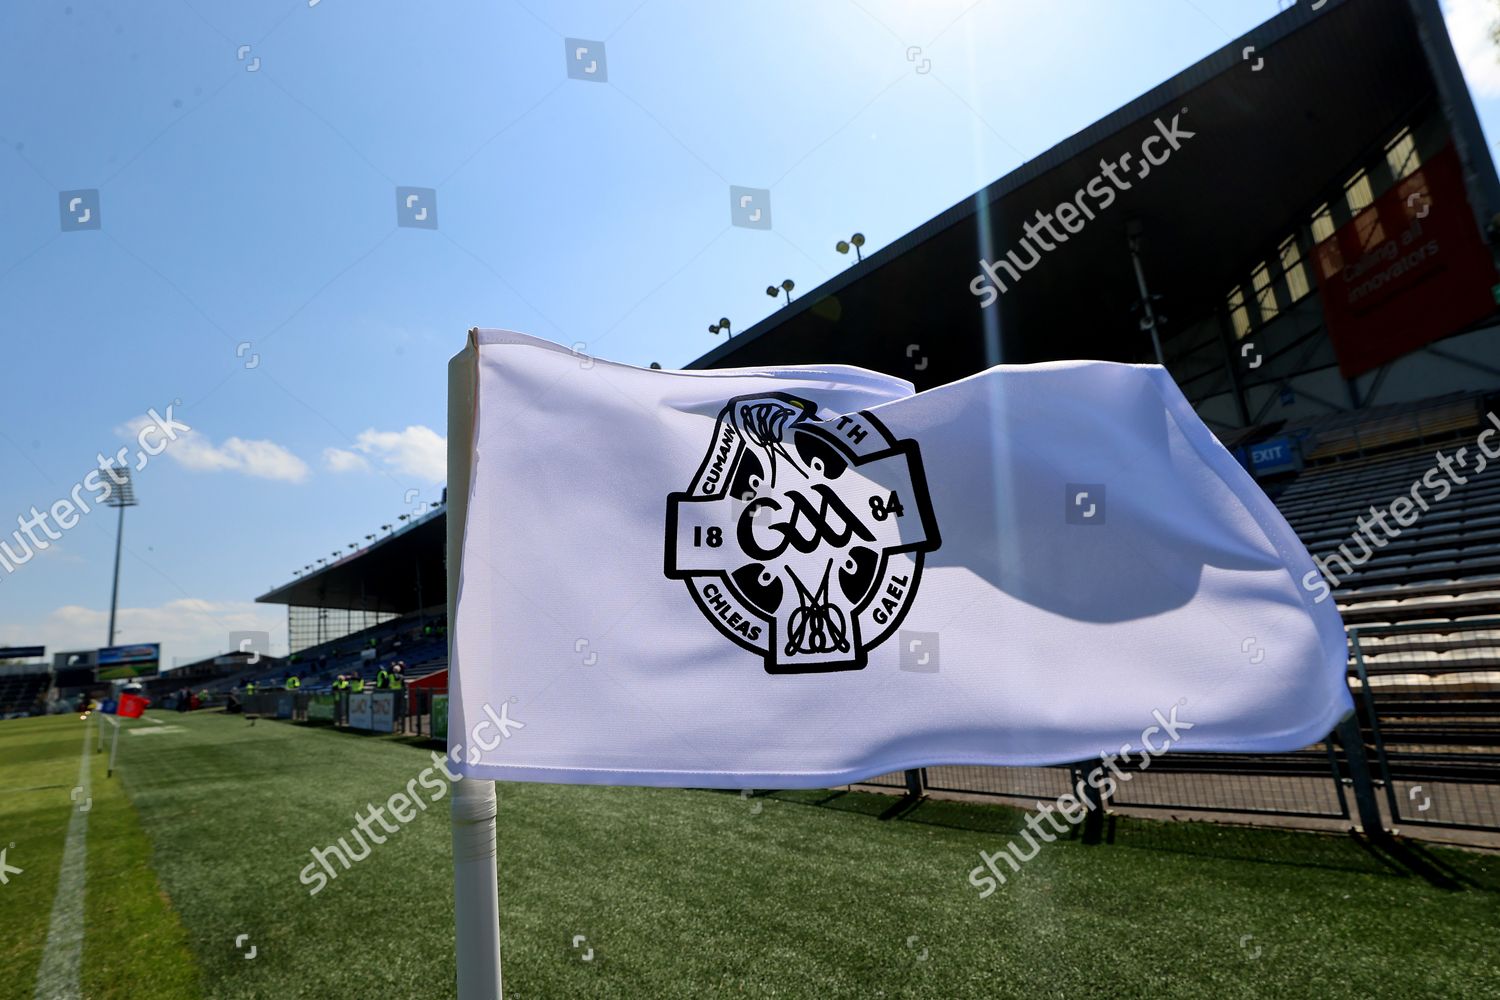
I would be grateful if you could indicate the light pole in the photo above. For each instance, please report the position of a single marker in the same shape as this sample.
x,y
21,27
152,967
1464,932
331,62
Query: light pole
x,y
856,241
786,286
722,326
121,495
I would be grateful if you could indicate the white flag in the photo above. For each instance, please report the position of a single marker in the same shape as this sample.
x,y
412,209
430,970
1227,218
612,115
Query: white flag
x,y
804,576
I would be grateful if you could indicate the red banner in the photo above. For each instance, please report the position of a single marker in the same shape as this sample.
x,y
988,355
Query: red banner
x,y
1406,271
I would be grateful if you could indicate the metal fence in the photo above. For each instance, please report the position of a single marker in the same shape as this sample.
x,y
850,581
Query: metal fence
x,y
1426,744
1429,703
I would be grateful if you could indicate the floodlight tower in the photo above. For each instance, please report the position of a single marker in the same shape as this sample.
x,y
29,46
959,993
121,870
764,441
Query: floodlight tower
x,y
121,495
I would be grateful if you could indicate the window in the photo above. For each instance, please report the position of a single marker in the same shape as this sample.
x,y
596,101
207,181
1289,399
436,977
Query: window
x,y
1238,314
1292,267
1360,196
1358,193
1265,293
1322,224
1401,155
1326,253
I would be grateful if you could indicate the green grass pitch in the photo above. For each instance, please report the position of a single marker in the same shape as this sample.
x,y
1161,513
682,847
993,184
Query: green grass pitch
x,y
202,833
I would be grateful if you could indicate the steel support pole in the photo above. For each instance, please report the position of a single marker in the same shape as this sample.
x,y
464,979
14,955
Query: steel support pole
x,y
1359,775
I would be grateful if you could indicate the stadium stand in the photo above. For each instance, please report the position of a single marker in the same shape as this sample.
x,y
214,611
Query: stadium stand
x,y
21,686
1367,431
1443,567
1422,603
419,640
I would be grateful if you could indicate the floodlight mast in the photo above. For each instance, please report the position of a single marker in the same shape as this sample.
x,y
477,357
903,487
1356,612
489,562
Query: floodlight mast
x,y
121,495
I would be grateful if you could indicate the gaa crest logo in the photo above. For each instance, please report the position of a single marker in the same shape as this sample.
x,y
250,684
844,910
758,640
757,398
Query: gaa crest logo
x,y
801,539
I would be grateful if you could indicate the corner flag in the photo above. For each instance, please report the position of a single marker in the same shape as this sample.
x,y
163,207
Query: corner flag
x,y
806,576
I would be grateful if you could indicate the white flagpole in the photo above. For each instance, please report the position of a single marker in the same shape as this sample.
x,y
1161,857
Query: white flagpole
x,y
475,890
476,899
114,744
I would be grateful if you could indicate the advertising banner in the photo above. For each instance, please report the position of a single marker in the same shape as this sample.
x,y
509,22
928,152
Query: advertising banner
x,y
122,662
320,708
440,716
383,712
1408,270
360,710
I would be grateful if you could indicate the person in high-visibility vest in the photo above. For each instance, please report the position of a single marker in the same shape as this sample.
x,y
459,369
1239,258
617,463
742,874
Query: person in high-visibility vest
x,y
342,684
357,683
292,683
249,687
382,679
398,684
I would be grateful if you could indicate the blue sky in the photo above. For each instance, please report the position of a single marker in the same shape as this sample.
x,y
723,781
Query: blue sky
x,y
248,261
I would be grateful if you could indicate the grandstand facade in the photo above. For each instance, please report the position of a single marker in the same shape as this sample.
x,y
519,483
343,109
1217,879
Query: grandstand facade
x,y
1318,241
397,574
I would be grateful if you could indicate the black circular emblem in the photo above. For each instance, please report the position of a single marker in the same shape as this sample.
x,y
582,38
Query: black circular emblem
x,y
802,539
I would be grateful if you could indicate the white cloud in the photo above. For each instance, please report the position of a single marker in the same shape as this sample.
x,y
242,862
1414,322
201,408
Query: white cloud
x,y
339,460
417,451
262,459
188,629
1470,23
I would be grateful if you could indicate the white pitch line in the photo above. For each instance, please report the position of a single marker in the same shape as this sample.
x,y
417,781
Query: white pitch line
x,y
58,978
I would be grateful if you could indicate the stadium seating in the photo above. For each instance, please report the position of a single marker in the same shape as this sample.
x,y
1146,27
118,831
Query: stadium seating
x,y
1365,431
418,640
1443,567
19,690
1422,605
